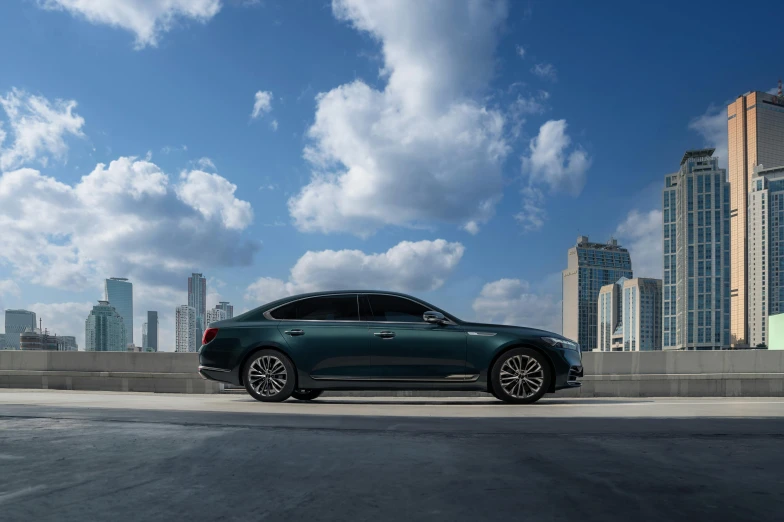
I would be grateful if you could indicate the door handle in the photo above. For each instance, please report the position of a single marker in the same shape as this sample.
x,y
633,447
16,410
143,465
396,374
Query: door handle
x,y
294,333
385,334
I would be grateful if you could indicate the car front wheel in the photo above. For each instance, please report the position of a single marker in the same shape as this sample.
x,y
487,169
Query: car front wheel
x,y
306,395
269,376
521,376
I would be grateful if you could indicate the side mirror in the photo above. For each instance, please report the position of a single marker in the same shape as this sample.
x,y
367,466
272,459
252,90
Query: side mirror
x,y
434,317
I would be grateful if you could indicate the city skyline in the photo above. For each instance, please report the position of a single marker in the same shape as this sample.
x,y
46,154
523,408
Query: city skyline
x,y
266,193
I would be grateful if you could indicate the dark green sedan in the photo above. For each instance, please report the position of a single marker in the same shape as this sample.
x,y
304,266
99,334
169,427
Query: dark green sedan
x,y
364,340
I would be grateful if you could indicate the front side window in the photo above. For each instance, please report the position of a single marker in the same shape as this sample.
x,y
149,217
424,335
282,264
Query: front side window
x,y
391,308
327,308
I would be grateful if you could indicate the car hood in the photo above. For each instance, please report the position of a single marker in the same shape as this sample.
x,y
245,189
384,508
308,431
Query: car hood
x,y
521,331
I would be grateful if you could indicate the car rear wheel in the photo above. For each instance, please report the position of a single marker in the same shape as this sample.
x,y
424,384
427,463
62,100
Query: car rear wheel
x,y
306,395
269,376
521,376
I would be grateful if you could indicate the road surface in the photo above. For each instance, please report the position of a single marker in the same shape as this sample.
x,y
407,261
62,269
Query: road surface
x,y
77,456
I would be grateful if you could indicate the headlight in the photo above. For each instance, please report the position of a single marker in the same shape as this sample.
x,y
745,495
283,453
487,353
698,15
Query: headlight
x,y
563,343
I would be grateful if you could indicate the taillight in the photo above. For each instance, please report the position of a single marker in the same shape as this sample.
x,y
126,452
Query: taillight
x,y
209,335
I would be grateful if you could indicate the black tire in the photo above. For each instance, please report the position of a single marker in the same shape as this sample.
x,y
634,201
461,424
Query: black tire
x,y
265,381
306,395
533,368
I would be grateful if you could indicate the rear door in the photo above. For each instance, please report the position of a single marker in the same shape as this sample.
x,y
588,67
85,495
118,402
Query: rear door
x,y
325,335
405,347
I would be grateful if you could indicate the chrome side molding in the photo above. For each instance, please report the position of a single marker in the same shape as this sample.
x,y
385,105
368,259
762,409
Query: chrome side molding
x,y
483,334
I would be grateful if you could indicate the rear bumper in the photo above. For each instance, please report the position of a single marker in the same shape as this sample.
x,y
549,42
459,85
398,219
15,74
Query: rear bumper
x,y
215,374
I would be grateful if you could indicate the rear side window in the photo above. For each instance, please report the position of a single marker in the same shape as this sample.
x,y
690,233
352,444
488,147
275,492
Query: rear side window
x,y
327,308
395,309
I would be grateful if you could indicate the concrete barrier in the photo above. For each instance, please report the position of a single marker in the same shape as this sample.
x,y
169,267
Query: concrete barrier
x,y
742,373
108,371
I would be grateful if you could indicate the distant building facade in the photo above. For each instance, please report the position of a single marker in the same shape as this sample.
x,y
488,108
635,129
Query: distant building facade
x,y
755,131
197,298
226,307
152,332
696,286
104,329
766,251
16,323
2,341
590,267
119,293
214,315
629,315
66,343
187,329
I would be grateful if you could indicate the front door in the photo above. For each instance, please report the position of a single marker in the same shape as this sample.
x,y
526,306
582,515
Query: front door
x,y
326,336
406,348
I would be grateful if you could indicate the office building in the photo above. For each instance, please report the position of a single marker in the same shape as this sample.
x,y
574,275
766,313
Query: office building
x,y
188,332
214,315
696,291
2,341
119,293
766,251
16,323
629,315
66,343
590,266
144,335
226,307
152,332
755,131
197,298
104,329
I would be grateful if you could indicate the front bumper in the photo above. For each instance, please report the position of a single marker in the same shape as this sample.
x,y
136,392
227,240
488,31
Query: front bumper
x,y
574,373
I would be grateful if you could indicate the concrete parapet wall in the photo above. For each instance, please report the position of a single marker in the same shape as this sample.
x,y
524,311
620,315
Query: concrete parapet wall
x,y
743,373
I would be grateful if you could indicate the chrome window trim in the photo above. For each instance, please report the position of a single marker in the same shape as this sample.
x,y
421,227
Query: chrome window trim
x,y
407,299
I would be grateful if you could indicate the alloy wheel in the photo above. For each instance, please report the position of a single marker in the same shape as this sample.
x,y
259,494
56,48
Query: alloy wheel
x,y
522,376
267,375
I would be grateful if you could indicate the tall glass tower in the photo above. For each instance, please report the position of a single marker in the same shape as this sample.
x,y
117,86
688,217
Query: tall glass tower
x,y
104,330
696,221
16,322
152,331
119,293
197,299
590,267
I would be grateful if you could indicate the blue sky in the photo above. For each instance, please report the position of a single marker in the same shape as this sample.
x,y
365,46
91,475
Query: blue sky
x,y
453,150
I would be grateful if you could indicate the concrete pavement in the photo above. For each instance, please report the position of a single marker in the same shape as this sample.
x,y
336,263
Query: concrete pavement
x,y
101,456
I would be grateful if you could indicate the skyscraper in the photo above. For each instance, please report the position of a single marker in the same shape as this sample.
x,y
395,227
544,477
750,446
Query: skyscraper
x,y
755,129
630,315
188,333
226,307
152,331
144,336
610,317
104,329
16,322
696,221
590,267
215,315
119,293
766,251
197,298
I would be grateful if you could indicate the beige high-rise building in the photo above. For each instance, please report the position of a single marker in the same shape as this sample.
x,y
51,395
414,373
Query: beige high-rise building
x,y
755,128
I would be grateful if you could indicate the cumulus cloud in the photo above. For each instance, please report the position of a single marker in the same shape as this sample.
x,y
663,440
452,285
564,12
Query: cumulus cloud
x,y
35,129
550,165
408,266
712,126
126,218
512,301
9,287
545,71
262,104
63,318
421,150
147,20
641,233
520,50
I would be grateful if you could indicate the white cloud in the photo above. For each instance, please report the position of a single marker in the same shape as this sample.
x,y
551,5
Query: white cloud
x,y
419,266
421,150
520,50
546,71
712,126
641,233
9,287
549,164
206,163
124,219
262,104
524,106
146,19
36,129
274,125
63,318
511,301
